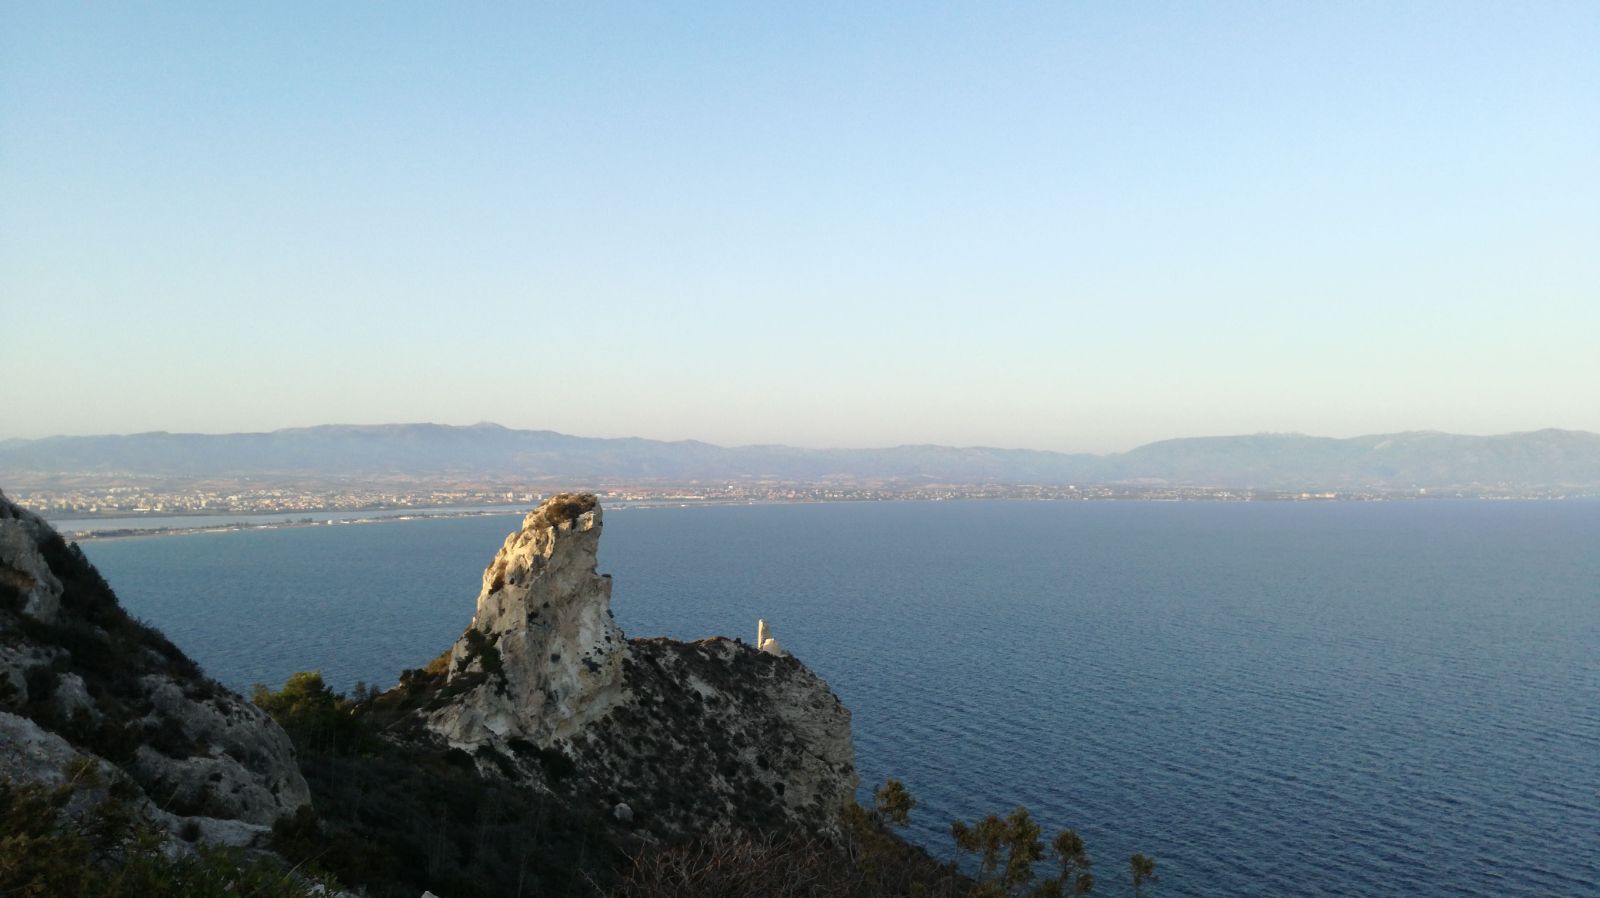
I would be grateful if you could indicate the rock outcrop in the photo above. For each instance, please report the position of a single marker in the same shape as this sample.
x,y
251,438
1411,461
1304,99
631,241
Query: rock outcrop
x,y
689,737
80,678
542,633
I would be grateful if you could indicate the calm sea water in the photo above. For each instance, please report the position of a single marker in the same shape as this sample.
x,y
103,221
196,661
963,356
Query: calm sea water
x,y
1271,699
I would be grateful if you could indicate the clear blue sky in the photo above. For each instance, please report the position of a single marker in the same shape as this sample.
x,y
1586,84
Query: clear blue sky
x,y
1064,225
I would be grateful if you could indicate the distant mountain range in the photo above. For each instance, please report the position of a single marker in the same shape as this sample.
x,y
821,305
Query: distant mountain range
x,y
1535,461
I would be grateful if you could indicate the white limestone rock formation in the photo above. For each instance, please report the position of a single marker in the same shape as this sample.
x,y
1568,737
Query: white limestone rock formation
x,y
78,675
542,642
690,737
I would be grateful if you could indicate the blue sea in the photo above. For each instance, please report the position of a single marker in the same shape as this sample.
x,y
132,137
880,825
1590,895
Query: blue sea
x,y
1272,699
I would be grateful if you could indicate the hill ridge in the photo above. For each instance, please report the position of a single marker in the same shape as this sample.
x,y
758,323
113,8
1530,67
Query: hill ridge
x,y
1544,459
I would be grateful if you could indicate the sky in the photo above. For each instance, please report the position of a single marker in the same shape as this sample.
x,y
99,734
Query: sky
x,y
1069,226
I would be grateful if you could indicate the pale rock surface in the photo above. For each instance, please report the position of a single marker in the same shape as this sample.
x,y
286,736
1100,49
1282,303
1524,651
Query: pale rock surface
x,y
542,640
243,767
72,697
32,754
36,755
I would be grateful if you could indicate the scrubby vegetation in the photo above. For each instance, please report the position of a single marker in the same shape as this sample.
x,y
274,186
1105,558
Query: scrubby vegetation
x,y
463,836
870,861
310,712
396,814
864,859
107,850
1009,851
566,508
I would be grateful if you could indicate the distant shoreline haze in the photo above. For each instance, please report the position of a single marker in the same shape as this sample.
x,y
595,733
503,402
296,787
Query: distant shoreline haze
x,y
1543,461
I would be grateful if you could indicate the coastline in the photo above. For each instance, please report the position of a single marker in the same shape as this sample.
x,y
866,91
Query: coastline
x,y
295,520
299,520
242,526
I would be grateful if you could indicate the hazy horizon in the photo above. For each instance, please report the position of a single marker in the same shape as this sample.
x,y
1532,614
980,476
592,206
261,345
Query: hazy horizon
x,y
817,446
1090,444
1072,227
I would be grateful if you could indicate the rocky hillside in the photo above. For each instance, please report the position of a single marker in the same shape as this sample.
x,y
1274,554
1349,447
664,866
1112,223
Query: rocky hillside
x,y
83,684
678,737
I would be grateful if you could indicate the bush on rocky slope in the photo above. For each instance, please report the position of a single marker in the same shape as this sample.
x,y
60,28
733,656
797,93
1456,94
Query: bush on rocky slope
x,y
395,812
51,845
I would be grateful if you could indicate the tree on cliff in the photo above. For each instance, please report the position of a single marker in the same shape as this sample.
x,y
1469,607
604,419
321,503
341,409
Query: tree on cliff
x,y
1144,870
1009,850
311,713
893,802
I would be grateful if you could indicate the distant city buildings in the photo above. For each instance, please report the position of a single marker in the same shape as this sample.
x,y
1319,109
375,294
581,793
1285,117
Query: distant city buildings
x,y
124,499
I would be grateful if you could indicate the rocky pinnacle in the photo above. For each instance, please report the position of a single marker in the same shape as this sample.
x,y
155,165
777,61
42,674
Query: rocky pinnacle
x,y
542,641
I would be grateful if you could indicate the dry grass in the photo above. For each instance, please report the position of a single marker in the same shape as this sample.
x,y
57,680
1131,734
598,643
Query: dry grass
x,y
740,865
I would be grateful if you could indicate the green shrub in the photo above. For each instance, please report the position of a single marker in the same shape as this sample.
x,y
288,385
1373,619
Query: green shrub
x,y
400,820
313,715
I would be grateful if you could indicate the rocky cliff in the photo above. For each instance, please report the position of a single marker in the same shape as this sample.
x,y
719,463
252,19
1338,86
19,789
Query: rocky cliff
x,y
542,633
82,682
676,738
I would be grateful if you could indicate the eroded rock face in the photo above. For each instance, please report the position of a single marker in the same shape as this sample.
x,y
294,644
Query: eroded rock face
x,y
542,642
242,766
80,673
690,737
32,754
